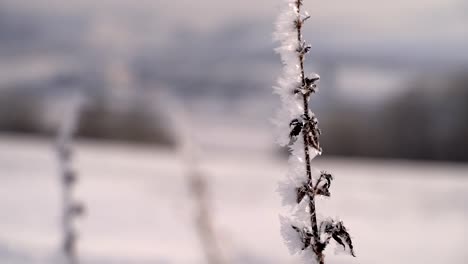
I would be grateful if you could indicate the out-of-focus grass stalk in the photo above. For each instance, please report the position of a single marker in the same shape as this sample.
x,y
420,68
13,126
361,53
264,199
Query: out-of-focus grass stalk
x,y
71,208
198,185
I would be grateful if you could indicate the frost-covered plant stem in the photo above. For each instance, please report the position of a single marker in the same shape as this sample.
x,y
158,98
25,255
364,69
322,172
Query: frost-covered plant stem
x,y
199,189
305,101
70,208
198,185
302,234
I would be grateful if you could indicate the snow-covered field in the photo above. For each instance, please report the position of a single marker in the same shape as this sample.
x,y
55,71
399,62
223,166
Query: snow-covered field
x,y
139,210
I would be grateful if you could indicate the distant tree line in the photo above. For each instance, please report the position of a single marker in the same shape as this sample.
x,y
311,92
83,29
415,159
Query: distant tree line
x,y
136,120
429,122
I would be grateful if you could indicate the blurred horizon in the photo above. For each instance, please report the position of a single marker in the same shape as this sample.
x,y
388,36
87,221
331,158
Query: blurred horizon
x,y
387,74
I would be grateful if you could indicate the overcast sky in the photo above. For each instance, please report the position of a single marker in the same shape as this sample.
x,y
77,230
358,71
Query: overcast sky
x,y
431,17
405,28
417,32
425,26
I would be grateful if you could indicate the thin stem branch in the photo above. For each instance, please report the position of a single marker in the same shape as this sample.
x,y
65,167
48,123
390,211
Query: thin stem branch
x,y
305,100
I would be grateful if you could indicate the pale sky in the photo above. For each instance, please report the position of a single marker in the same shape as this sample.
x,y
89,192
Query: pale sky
x,y
370,15
432,26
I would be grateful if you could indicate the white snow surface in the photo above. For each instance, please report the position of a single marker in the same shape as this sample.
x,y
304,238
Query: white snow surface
x,y
138,209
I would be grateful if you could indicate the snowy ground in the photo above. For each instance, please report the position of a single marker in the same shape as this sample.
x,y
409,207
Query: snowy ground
x,y
139,210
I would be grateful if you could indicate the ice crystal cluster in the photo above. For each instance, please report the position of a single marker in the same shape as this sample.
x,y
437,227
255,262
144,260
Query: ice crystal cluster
x,y
71,208
298,130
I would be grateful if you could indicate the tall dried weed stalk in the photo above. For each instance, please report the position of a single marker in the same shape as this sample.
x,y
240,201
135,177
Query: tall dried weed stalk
x,y
199,186
71,208
200,193
303,232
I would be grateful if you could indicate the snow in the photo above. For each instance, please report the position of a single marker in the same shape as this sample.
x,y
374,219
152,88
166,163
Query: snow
x,y
396,212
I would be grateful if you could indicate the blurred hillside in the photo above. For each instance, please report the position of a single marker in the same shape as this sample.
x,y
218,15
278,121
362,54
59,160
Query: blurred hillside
x,y
394,79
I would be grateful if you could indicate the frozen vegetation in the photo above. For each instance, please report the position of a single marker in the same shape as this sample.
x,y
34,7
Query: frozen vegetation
x,y
68,177
304,232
